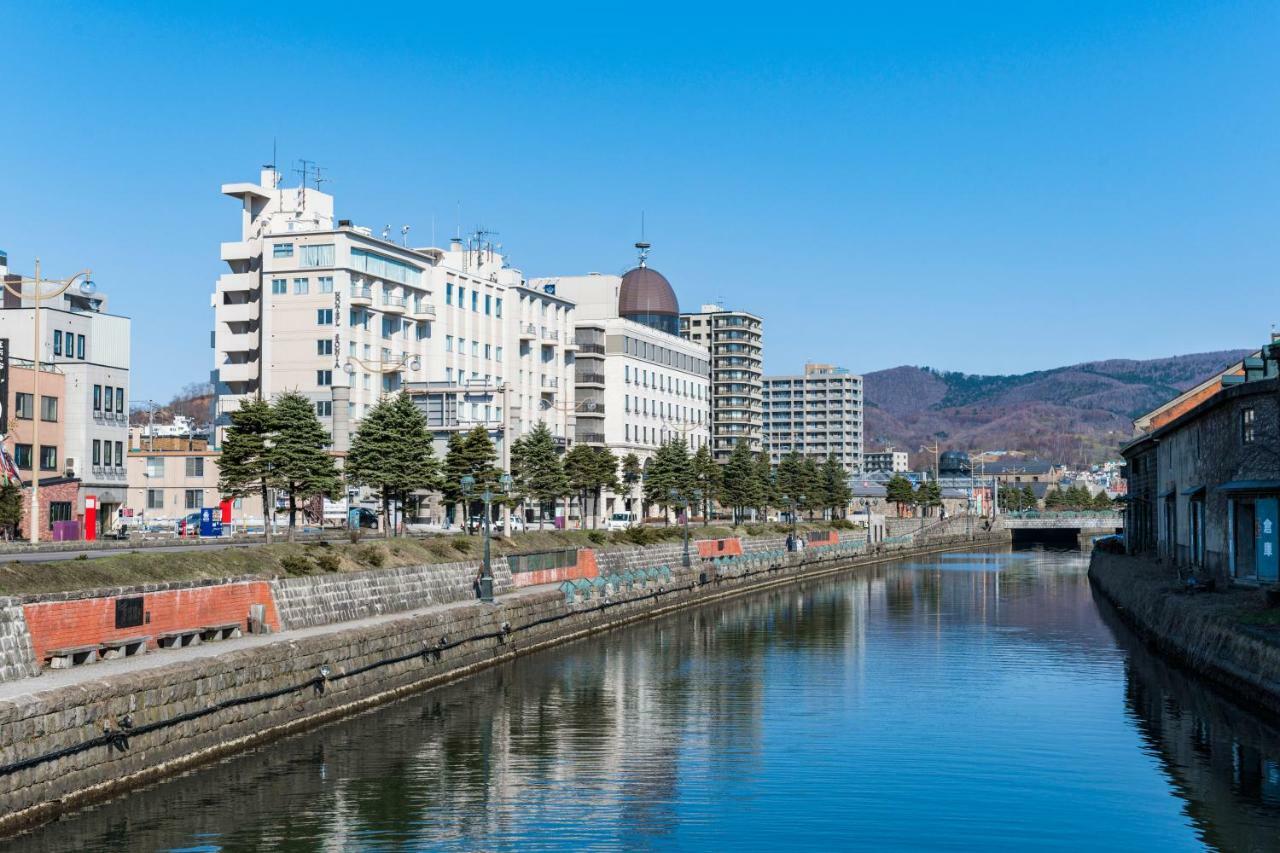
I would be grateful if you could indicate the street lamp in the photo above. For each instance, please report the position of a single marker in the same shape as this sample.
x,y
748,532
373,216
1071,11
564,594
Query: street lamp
x,y
17,286
794,503
683,502
468,483
866,509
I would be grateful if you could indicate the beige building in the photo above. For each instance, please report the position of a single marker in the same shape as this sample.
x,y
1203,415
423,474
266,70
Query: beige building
x,y
172,477
816,414
735,342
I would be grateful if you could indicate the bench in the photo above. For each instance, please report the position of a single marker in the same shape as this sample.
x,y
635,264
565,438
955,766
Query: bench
x,y
229,631
179,639
123,647
70,656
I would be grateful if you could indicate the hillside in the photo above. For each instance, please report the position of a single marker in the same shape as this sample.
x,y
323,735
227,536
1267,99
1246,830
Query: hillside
x,y
1078,414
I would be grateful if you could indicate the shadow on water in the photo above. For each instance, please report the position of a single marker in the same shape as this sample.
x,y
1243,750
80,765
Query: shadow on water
x,y
1223,758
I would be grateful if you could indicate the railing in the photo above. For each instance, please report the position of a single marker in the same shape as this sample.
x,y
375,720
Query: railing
x,y
361,291
598,349
530,330
551,382
393,301
550,334
590,438
592,378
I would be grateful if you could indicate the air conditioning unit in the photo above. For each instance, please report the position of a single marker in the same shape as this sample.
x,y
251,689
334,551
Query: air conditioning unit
x,y
70,466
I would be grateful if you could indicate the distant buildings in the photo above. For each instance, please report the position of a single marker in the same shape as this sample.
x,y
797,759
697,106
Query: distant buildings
x,y
816,414
893,461
735,341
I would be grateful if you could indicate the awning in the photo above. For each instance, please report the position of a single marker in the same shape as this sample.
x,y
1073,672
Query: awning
x,y
1168,493
1194,492
1236,486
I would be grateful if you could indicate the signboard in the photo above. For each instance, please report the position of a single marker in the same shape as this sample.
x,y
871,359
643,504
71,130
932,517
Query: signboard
x,y
211,521
129,612
4,386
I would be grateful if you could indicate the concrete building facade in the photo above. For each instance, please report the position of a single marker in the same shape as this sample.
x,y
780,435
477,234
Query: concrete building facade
x,y
893,461
735,343
816,414
172,477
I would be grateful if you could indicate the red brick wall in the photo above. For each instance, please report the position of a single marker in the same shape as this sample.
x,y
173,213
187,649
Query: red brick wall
x,y
585,567
88,621
831,537
708,548
64,492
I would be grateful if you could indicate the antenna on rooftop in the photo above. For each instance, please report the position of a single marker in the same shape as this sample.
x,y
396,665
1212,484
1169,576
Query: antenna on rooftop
x,y
404,234
386,232
306,169
642,245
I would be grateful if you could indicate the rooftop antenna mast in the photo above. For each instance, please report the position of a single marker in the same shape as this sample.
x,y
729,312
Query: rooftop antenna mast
x,y
306,169
642,245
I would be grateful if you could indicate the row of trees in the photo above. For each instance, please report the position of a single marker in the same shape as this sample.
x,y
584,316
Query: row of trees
x,y
282,446
900,492
1077,498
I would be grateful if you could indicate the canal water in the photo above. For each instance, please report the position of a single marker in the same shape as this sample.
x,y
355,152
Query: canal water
x,y
968,702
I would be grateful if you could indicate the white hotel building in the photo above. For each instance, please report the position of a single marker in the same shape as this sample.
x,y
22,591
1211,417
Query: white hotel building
x,y
639,384
329,309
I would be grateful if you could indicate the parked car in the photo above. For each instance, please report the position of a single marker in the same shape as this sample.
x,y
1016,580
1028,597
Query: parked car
x,y
621,521
512,524
366,519
189,526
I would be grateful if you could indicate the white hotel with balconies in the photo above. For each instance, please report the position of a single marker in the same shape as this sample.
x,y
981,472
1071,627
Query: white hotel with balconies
x,y
343,316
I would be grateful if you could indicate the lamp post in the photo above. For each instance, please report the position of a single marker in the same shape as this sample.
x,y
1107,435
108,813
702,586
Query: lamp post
x,y
17,287
794,503
683,502
486,572
866,510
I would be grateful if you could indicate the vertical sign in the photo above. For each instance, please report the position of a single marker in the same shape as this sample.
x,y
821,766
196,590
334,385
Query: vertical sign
x,y
4,386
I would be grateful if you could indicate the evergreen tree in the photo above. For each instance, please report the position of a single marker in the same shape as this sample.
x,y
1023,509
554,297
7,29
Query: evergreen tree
x,y
392,452
898,491
632,473
738,487
542,471
1054,499
764,487
11,508
706,477
1100,501
455,467
590,470
835,487
813,486
671,469
1029,501
244,466
791,481
470,454
300,463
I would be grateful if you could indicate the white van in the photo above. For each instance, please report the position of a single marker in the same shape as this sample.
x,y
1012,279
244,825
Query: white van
x,y
620,521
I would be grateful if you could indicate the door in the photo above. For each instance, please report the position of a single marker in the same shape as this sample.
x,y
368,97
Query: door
x,y
1268,557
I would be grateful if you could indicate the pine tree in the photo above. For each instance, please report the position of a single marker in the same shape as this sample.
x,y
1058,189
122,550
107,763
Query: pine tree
x,y
632,473
792,481
11,508
671,471
706,475
813,487
454,469
898,491
1029,501
764,487
244,466
835,487
738,482
542,472
590,470
392,452
299,462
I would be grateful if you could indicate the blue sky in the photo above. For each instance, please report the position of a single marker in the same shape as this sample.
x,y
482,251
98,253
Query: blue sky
x,y
999,187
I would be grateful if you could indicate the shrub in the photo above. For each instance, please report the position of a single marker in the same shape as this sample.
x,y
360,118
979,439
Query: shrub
x,y
329,562
461,544
842,524
297,564
757,529
372,555
353,535
598,537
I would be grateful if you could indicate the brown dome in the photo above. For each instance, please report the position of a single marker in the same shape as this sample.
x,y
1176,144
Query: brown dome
x,y
646,297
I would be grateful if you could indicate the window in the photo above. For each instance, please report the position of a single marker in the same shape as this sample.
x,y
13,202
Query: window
x,y
106,398
1246,425
120,400
195,498
80,347
316,256
155,466
384,267
48,409
48,458
497,307
195,466
448,293
448,343
59,511
462,297
326,283
155,498
97,452
22,456
97,398
475,301
119,454
22,405
324,408
282,250
488,304
324,316
324,377
475,349
498,353
279,286
301,287
57,342
324,346
106,447
488,351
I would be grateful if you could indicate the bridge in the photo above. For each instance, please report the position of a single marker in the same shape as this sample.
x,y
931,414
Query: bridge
x,y
1085,525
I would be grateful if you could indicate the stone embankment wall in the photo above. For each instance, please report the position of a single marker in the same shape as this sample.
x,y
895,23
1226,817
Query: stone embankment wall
x,y
66,746
17,655
1198,630
326,599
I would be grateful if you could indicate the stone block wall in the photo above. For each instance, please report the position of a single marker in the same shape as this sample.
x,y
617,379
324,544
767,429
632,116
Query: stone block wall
x,y
17,655
645,557
325,599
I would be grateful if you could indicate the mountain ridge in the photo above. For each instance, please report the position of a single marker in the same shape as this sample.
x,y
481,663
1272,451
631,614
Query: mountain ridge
x,y
1077,414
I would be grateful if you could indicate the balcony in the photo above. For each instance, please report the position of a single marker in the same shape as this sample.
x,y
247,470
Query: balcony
x,y
237,282
549,336
393,305
422,311
362,295
244,371
584,410
226,340
591,348
528,332
590,438
550,382
239,250
238,312
584,378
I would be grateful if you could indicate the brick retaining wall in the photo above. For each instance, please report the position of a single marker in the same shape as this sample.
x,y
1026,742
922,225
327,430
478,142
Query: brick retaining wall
x,y
17,655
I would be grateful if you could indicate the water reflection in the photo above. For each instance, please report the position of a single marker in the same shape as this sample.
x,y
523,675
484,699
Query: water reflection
x,y
971,701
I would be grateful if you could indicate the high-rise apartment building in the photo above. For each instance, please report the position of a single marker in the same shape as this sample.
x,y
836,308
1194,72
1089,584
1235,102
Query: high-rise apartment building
x,y
892,461
343,315
639,384
816,414
90,348
735,342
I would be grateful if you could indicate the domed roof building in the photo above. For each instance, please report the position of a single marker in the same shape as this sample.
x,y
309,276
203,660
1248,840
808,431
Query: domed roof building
x,y
645,296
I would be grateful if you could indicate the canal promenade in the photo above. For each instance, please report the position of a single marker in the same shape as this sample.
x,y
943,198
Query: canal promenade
x,y
91,732
1227,635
